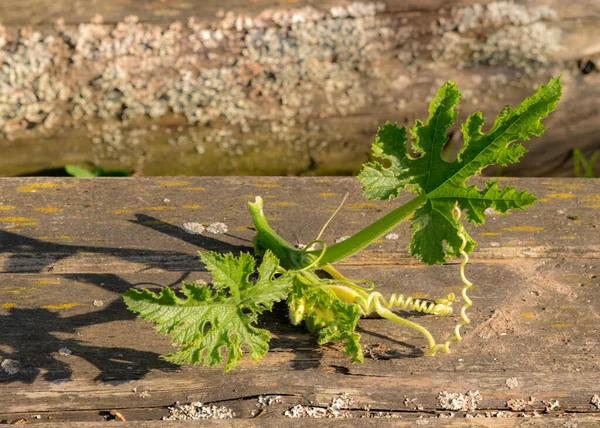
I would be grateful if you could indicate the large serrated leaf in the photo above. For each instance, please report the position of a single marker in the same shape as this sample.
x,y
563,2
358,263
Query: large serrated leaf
x,y
210,319
444,183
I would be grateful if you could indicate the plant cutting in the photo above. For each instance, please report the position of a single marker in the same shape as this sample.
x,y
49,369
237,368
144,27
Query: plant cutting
x,y
209,323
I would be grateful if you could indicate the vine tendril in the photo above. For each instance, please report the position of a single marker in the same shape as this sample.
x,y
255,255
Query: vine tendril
x,y
349,291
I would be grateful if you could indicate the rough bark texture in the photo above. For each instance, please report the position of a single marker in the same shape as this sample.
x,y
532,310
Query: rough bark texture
x,y
69,247
278,87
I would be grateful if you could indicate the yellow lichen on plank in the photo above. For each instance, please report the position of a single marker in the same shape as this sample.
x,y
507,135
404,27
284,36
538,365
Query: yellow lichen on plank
x,y
175,183
266,185
283,204
49,210
490,233
527,315
119,211
8,305
240,228
561,325
560,195
191,206
194,189
327,195
523,229
61,306
361,205
53,281
52,238
17,220
13,290
594,200
34,187
6,207
158,208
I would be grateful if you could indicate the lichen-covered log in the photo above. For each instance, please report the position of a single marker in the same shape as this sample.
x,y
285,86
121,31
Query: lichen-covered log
x,y
217,87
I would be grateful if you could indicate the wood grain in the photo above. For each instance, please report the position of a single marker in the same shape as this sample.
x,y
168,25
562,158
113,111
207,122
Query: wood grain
x,y
69,247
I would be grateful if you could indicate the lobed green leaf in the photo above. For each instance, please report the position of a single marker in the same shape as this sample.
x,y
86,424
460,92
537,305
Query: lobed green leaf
x,y
444,183
222,317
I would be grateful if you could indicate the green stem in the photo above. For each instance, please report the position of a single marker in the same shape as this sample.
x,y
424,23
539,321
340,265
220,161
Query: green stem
x,y
267,239
292,258
374,231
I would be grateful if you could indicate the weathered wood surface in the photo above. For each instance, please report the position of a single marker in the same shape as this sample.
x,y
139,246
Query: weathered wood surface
x,y
304,81
68,243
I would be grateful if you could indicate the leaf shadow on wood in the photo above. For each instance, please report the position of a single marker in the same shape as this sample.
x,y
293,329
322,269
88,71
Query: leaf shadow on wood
x,y
36,338
202,241
285,336
393,354
32,335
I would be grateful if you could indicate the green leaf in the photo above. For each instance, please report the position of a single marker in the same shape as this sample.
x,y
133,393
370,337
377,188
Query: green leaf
x,y
325,314
444,183
79,172
224,316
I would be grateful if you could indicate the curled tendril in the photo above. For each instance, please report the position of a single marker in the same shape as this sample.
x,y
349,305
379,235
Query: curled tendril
x,y
350,292
466,286
438,307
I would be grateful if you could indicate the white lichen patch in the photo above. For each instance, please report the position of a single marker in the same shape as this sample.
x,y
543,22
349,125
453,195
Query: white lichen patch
x,y
196,410
203,71
341,239
551,405
500,32
517,404
595,400
392,236
65,351
10,366
193,228
217,228
98,303
456,401
268,400
335,409
512,383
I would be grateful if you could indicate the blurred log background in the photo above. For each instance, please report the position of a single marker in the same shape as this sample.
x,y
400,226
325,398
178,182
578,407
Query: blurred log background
x,y
206,87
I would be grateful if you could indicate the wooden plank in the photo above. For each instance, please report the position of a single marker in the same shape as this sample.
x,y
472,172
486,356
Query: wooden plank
x,y
533,334
210,98
43,232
